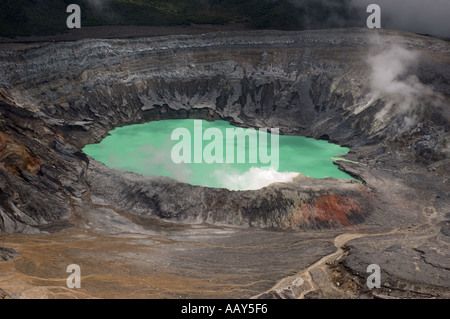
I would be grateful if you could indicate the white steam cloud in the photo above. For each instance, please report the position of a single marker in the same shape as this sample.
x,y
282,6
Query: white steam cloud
x,y
255,178
391,81
151,161
159,159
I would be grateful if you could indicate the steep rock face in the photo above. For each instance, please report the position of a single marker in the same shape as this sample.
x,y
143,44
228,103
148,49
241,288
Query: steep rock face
x,y
58,97
302,204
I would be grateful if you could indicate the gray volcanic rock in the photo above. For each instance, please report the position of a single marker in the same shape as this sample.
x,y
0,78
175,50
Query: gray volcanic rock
x,y
57,97
299,204
7,254
420,269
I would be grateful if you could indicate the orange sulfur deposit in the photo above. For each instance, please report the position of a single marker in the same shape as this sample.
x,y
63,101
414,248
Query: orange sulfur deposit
x,y
331,209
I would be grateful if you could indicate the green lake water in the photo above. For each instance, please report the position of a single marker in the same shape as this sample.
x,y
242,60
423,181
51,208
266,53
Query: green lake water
x,y
150,149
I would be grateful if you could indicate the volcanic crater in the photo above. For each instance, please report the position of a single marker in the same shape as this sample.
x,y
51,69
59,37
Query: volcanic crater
x,y
138,236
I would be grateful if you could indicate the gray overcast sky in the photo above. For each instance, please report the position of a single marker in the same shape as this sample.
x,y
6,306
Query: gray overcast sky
x,y
420,16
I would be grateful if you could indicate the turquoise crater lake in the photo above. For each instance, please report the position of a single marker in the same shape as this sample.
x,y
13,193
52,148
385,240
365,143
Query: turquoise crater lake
x,y
208,154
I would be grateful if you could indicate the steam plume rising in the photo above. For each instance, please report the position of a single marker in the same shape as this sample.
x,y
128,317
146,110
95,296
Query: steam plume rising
x,y
393,81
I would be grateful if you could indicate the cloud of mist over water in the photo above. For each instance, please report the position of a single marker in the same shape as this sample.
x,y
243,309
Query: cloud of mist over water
x,y
255,178
392,80
158,159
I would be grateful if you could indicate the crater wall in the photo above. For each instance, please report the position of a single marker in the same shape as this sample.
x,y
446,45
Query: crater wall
x,y
57,97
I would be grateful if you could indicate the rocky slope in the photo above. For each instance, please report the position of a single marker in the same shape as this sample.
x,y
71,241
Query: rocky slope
x,y
57,97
